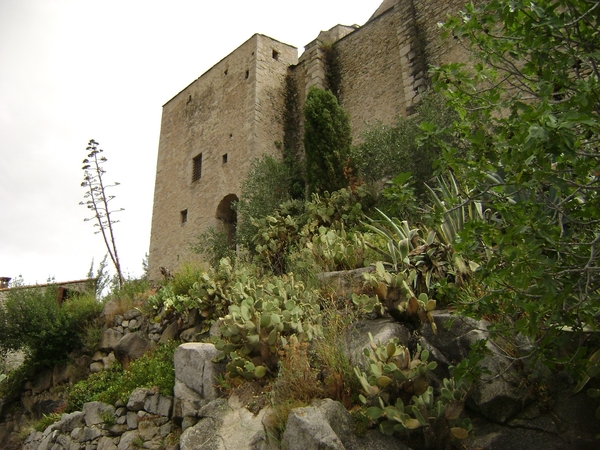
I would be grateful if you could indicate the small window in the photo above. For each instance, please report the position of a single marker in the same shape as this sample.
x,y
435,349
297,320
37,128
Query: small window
x,y
226,70
225,158
197,169
247,74
183,215
275,55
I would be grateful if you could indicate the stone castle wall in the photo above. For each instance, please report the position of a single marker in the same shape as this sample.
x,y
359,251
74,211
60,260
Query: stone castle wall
x,y
229,115
237,108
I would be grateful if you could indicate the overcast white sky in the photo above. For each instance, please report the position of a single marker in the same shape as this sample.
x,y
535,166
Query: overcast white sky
x,y
75,70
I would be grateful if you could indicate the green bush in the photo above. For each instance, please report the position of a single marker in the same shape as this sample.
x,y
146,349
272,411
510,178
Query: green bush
x,y
327,141
267,185
154,369
214,245
32,320
294,224
529,121
387,150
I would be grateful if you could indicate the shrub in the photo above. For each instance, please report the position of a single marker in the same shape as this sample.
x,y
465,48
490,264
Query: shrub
x,y
32,320
294,224
267,185
154,369
529,118
327,141
214,245
388,150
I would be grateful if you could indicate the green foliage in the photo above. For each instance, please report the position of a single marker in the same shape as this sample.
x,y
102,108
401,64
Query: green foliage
x,y
426,263
32,320
262,319
529,108
337,250
394,377
295,224
327,142
154,369
214,245
455,210
267,185
209,292
387,150
46,421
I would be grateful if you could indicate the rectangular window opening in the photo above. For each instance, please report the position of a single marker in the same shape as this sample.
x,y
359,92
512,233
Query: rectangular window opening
x,y
197,168
184,216
225,158
275,55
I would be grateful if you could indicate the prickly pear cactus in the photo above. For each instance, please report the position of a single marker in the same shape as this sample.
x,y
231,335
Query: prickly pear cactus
x,y
260,322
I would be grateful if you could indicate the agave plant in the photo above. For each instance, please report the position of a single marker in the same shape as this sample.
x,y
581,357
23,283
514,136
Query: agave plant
x,y
454,217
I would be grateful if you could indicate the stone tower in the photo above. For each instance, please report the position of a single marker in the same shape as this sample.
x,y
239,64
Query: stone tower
x,y
210,132
234,112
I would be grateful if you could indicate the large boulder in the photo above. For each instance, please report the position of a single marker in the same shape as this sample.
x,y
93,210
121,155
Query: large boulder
x,y
131,347
195,369
226,425
499,395
326,424
383,330
109,339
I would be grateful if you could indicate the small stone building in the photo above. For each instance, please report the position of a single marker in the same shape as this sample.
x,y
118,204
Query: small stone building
x,y
237,111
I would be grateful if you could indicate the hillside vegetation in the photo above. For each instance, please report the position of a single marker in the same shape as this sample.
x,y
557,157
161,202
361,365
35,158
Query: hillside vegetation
x,y
499,220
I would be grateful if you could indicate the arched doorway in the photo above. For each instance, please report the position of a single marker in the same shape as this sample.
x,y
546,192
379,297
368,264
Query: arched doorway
x,y
228,217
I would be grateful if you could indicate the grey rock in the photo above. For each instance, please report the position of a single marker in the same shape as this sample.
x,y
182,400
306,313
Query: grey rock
x,y
64,440
382,330
131,347
165,429
170,333
345,282
127,440
225,424
191,334
68,422
96,367
106,443
90,433
76,433
165,406
97,413
132,314
132,420
498,396
454,342
318,426
109,360
188,422
61,374
151,403
110,308
118,429
98,356
42,382
137,399
147,430
195,369
110,337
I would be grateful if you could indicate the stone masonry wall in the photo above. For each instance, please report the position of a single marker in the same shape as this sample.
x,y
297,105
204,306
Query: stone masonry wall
x,y
236,109
229,115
